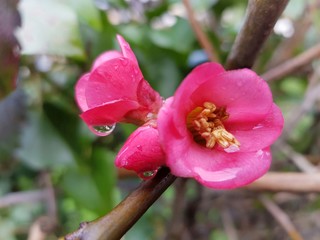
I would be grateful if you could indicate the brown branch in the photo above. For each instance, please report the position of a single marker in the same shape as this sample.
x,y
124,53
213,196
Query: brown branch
x,y
293,64
201,36
260,19
287,182
281,217
297,158
115,224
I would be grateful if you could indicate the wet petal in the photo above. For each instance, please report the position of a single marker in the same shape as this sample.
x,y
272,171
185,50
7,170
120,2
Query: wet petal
x,y
126,49
233,170
142,151
113,80
246,96
174,143
211,167
199,75
108,114
106,56
253,137
80,93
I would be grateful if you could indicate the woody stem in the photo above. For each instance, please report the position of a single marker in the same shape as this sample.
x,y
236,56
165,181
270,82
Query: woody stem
x,y
115,224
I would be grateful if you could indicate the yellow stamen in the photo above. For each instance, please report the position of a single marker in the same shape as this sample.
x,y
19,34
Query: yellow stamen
x,y
205,124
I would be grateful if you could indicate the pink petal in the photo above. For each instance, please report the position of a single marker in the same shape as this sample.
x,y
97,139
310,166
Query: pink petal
x,y
227,171
211,167
199,75
148,97
126,49
109,113
142,151
246,96
80,93
113,80
253,137
174,143
106,56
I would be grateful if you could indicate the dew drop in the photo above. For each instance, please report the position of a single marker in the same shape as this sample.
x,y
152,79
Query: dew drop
x,y
147,174
258,126
102,130
232,148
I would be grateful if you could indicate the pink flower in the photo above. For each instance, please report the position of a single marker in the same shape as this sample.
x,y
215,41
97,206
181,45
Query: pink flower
x,y
115,91
142,152
218,127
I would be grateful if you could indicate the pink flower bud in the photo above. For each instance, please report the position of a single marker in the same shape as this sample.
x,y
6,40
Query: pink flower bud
x,y
142,152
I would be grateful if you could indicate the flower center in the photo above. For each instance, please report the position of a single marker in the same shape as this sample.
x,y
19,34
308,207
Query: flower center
x,y
206,125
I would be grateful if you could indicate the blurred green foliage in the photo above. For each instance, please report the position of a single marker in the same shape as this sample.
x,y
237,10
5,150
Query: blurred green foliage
x,y
40,128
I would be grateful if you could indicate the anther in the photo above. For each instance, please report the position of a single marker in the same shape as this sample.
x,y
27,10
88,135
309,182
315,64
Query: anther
x,y
206,125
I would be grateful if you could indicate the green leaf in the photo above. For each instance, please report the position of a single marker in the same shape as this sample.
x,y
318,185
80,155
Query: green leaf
x,y
42,147
203,5
179,38
218,235
86,12
82,188
293,86
49,27
105,177
97,181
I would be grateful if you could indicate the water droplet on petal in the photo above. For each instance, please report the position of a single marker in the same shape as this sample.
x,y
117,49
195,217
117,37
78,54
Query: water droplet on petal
x,y
232,149
147,174
258,126
102,130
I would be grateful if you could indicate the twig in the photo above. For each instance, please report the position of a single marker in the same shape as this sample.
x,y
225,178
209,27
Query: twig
x,y
281,217
286,49
23,197
45,225
115,224
201,36
297,158
261,16
41,228
310,98
228,224
287,182
291,65
176,228
51,204
314,79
